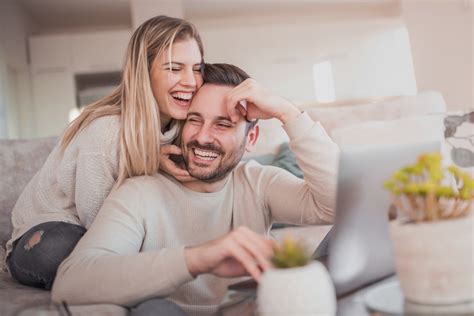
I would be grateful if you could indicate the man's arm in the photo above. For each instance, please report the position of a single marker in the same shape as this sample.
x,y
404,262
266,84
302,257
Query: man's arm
x,y
107,267
289,199
312,200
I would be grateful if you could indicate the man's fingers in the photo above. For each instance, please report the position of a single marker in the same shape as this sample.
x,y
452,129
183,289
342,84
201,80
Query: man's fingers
x,y
241,110
241,254
254,245
259,248
233,103
233,111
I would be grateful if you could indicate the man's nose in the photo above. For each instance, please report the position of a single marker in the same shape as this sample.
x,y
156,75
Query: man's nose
x,y
205,135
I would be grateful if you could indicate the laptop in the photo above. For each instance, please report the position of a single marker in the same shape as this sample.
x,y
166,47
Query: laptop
x,y
357,251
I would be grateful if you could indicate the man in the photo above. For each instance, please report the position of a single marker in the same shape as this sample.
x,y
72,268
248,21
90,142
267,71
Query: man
x,y
157,237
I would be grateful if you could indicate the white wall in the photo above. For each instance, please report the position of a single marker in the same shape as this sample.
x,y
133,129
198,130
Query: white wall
x,y
369,50
367,45
4,97
15,94
441,35
143,10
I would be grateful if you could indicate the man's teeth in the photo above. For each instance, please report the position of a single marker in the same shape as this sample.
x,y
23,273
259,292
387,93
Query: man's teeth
x,y
206,155
182,95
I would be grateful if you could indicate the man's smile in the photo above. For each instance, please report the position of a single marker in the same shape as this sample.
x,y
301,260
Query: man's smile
x,y
205,154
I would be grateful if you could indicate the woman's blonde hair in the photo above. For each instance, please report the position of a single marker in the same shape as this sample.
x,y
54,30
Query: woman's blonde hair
x,y
133,100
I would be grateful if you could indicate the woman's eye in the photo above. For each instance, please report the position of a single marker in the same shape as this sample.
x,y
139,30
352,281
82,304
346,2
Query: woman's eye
x,y
197,70
173,69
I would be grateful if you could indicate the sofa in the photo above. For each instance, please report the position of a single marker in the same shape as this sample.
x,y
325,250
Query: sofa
x,y
401,119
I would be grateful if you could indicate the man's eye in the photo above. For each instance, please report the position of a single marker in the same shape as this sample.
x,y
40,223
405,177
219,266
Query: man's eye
x,y
193,120
223,125
197,70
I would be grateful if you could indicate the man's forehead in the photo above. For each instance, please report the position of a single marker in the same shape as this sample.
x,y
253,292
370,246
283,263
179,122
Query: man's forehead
x,y
210,98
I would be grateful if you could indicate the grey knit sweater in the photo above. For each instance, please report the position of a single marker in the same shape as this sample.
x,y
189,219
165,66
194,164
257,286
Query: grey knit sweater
x,y
71,187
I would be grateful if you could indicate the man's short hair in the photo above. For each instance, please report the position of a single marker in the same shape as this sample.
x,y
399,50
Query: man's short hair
x,y
226,75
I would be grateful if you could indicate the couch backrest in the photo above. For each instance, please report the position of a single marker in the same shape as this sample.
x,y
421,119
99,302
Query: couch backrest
x,y
332,118
338,117
19,162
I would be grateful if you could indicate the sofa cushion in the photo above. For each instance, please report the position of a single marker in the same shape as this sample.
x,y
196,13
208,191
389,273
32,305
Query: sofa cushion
x,y
19,162
286,159
15,297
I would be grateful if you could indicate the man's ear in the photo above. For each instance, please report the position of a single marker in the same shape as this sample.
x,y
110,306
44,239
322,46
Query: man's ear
x,y
252,137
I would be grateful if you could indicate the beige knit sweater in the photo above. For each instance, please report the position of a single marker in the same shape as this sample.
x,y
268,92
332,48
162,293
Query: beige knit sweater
x,y
134,249
71,187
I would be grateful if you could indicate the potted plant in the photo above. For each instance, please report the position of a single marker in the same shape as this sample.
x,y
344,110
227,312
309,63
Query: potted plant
x,y
433,234
296,285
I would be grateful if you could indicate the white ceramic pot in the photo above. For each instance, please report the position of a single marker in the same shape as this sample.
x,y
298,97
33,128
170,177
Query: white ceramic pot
x,y
434,260
301,291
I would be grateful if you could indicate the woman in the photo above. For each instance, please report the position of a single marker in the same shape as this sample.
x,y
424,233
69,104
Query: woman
x,y
113,139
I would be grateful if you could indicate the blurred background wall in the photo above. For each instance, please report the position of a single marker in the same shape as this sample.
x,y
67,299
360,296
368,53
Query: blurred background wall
x,y
57,55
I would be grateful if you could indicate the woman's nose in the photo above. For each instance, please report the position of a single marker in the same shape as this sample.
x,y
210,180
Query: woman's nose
x,y
188,78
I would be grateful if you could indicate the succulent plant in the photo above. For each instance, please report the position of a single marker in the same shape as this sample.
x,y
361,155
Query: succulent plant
x,y
425,191
291,253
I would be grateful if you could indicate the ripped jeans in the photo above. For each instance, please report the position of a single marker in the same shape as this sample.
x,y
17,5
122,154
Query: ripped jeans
x,y
36,256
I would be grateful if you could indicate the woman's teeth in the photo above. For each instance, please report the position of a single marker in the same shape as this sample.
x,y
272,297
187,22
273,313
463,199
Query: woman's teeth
x,y
205,155
182,96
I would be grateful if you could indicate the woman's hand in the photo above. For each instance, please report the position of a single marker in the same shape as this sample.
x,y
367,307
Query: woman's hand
x,y
253,101
238,253
170,167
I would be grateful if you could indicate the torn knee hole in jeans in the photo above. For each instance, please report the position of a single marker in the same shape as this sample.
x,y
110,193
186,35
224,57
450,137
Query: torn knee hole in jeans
x,y
34,240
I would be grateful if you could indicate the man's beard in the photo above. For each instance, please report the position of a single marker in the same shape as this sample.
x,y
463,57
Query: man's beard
x,y
226,164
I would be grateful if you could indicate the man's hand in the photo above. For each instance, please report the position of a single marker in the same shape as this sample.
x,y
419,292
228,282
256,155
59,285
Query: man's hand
x,y
258,103
170,167
238,253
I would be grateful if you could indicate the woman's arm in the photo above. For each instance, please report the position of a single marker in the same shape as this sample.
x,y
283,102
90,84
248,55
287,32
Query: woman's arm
x,y
95,177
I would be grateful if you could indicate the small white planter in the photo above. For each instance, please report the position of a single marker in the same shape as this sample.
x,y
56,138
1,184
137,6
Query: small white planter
x,y
301,291
434,260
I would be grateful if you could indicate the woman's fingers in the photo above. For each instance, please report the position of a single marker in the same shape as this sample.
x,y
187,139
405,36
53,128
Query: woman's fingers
x,y
176,171
170,167
170,150
185,178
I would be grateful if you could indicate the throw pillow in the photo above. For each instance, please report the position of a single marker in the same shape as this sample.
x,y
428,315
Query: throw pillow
x,y
286,159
